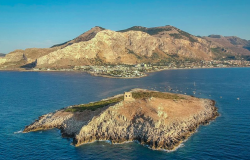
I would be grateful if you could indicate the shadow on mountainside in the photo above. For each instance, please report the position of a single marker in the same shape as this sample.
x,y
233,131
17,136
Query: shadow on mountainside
x,y
29,65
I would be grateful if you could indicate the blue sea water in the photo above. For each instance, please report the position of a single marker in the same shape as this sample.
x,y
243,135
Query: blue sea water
x,y
24,96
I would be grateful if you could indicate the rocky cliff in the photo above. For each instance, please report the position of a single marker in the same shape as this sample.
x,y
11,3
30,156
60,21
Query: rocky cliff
x,y
159,120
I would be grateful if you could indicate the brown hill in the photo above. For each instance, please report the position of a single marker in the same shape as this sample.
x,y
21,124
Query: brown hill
x,y
131,46
235,45
27,58
19,58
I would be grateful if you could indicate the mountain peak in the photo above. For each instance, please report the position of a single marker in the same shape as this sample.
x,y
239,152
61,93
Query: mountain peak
x,y
97,27
86,36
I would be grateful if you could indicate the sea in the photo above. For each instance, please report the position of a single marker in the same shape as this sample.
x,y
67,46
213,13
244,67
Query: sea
x,y
24,96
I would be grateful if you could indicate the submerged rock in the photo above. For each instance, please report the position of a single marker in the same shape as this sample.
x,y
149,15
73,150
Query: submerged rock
x,y
159,120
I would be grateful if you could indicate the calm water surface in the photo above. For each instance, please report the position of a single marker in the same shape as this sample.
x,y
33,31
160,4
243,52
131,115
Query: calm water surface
x,y
24,96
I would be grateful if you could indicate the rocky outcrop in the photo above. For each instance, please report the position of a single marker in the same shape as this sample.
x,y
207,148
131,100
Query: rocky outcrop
x,y
70,123
160,123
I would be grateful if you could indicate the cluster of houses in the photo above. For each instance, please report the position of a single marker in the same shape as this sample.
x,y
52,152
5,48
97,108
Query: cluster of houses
x,y
216,63
115,71
140,70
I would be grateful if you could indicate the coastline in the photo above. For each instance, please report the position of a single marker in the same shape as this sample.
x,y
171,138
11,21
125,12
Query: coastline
x,y
83,126
175,144
107,76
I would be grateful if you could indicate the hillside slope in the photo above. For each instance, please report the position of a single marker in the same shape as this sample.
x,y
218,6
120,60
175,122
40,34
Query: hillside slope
x,y
131,47
27,58
86,36
235,45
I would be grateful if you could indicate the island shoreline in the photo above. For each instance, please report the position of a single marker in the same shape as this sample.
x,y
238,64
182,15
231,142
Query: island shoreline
x,y
70,130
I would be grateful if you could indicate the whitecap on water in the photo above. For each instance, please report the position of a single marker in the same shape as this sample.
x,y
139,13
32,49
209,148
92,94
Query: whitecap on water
x,y
21,131
124,142
180,146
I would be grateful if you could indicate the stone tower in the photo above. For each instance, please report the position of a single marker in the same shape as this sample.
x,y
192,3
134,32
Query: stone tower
x,y
128,96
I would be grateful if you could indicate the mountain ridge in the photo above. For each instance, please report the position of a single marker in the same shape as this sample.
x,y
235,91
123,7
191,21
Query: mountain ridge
x,y
137,44
129,47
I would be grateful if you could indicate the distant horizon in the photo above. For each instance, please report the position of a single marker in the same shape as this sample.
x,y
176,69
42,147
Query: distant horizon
x,y
42,24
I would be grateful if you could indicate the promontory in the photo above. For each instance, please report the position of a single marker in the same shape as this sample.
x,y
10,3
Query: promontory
x,y
159,120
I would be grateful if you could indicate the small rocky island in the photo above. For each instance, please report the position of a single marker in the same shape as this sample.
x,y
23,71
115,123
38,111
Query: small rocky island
x,y
159,120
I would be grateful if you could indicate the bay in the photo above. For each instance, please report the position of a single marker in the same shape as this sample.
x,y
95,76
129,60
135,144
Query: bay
x,y
24,96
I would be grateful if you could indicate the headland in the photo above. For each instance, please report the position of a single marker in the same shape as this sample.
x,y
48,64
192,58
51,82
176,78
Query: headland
x,y
160,120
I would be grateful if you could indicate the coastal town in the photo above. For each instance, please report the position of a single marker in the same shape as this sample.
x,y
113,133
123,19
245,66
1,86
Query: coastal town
x,y
141,70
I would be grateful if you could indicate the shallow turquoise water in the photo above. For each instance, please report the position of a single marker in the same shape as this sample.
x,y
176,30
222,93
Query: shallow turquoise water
x,y
27,95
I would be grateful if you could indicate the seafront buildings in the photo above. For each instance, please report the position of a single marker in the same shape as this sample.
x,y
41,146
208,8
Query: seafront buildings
x,y
140,70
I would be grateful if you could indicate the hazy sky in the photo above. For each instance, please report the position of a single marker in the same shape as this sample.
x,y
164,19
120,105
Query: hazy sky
x,y
43,23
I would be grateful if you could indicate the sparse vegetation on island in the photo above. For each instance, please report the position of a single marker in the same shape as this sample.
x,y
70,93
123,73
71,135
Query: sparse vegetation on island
x,y
142,95
94,105
136,95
